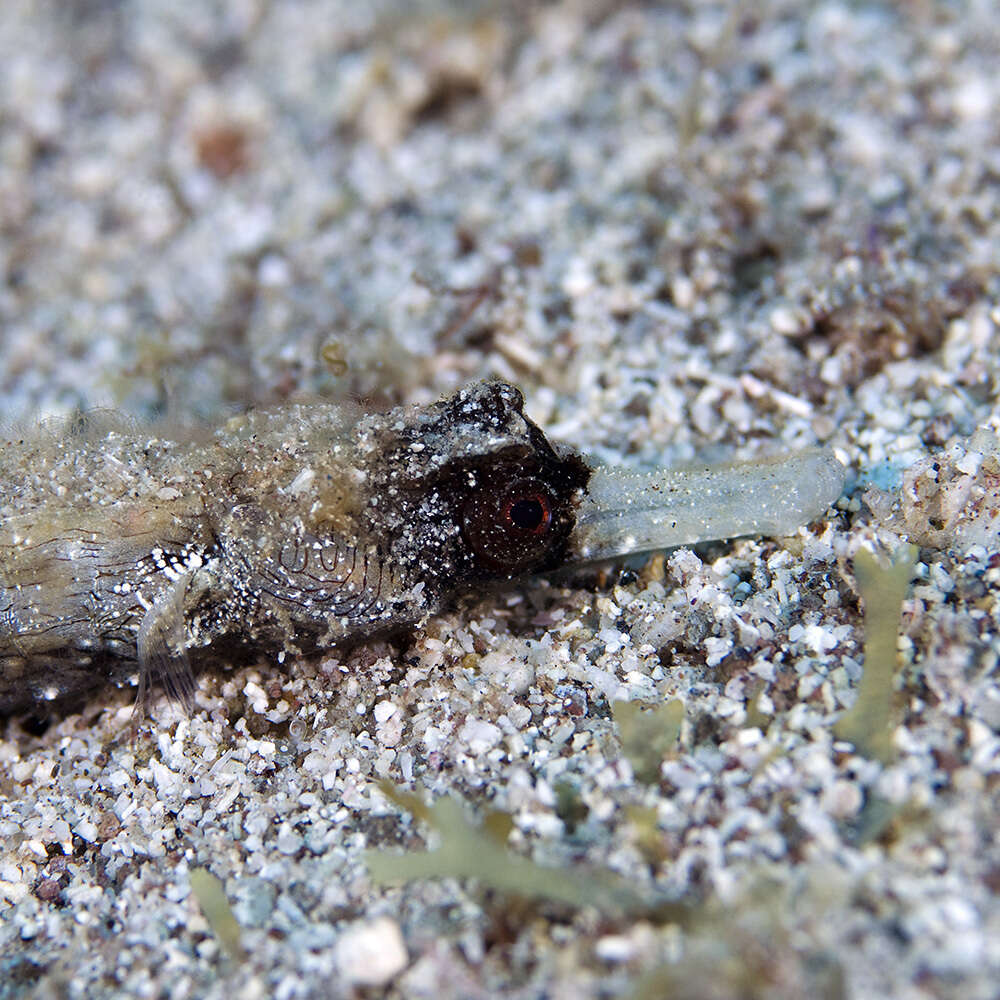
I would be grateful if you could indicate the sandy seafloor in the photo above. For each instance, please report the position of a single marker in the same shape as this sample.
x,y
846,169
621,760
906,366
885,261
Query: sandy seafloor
x,y
694,230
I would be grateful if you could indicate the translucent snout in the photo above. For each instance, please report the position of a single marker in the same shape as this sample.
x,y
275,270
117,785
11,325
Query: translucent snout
x,y
626,510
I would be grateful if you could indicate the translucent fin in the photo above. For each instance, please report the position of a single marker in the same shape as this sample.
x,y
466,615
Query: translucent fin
x,y
626,510
162,652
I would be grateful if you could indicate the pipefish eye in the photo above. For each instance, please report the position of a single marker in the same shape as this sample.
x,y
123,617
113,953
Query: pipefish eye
x,y
510,528
531,512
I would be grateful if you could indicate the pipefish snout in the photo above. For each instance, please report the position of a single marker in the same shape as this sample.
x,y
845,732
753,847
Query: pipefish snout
x,y
124,553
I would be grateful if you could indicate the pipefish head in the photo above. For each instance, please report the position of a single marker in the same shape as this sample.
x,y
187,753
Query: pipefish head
x,y
473,491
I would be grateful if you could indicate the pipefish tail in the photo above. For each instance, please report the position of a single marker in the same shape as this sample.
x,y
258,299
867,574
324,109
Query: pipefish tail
x,y
124,553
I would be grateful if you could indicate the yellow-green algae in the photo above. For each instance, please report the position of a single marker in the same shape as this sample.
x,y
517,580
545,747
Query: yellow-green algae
x,y
468,851
868,723
211,898
648,735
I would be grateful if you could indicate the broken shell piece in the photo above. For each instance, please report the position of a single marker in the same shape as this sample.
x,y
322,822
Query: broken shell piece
x,y
949,500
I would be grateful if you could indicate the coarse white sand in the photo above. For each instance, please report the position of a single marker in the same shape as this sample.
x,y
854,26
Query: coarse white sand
x,y
698,230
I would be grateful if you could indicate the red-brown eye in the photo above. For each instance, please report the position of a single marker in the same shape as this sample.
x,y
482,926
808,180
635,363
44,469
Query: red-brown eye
x,y
508,528
530,512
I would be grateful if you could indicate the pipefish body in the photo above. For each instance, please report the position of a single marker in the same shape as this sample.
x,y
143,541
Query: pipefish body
x,y
125,553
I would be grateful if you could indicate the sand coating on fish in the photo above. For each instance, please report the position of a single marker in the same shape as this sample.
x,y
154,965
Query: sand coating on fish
x,y
124,552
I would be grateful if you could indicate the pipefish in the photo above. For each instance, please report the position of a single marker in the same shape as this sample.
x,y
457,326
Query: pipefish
x,y
123,553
